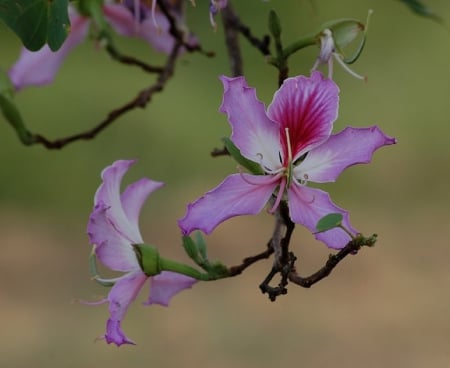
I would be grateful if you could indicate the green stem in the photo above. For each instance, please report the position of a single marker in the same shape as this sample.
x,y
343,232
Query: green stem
x,y
174,266
306,41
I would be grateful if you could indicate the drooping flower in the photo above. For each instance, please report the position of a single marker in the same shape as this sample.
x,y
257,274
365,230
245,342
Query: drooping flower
x,y
130,19
113,229
293,145
328,53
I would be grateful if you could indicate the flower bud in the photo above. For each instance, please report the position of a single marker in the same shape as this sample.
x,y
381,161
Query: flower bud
x,y
148,258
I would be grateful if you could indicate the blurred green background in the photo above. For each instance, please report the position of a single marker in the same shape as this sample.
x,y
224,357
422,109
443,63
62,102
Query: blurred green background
x,y
386,307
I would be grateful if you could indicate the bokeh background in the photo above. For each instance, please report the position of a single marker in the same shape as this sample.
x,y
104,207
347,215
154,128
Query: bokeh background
x,y
386,307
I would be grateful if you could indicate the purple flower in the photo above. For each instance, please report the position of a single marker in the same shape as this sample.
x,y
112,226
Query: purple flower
x,y
113,228
293,145
39,68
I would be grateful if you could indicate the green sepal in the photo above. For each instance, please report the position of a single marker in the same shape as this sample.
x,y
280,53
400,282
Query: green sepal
x,y
201,245
274,25
94,273
328,222
148,259
37,22
190,247
234,152
344,32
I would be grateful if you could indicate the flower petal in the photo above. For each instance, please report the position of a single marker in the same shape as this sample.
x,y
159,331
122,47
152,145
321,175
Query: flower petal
x,y
256,136
154,31
238,194
121,295
349,147
112,248
308,205
40,67
307,107
109,195
134,196
166,285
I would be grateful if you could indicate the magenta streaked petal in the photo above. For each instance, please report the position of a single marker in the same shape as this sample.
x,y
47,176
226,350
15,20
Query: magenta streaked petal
x,y
256,136
307,107
108,194
238,194
112,249
40,67
308,205
349,147
115,335
166,285
122,294
121,19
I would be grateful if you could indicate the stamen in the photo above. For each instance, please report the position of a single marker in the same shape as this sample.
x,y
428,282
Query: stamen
x,y
346,67
153,13
279,195
251,182
288,142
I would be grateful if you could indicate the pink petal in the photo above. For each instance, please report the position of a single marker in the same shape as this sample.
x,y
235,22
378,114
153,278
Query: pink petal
x,y
112,248
166,285
114,334
156,34
40,67
308,205
307,107
238,194
122,294
135,195
108,194
349,147
256,136
113,225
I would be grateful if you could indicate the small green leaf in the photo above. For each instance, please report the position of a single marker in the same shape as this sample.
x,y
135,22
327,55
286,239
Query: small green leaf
x,y
37,22
420,9
329,222
251,166
274,25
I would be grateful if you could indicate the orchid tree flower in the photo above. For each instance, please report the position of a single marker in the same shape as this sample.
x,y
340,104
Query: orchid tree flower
x,y
129,18
292,143
114,230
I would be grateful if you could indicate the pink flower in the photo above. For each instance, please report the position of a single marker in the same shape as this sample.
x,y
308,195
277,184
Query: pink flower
x,y
293,145
113,228
39,68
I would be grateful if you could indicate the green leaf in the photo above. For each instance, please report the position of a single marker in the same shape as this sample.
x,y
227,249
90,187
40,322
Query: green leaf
x,y
251,166
420,9
329,222
37,22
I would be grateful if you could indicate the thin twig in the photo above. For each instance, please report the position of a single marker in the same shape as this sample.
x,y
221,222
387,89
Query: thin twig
x,y
229,20
141,100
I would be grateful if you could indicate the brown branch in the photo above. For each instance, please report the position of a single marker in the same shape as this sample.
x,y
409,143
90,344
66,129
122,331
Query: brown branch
x,y
237,270
229,20
141,101
129,60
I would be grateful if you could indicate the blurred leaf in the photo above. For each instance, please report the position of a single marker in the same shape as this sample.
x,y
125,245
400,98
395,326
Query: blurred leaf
x,y
251,166
420,9
37,22
329,222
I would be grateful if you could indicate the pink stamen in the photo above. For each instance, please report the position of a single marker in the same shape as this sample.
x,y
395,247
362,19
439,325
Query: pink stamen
x,y
248,181
279,195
